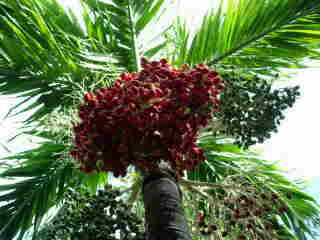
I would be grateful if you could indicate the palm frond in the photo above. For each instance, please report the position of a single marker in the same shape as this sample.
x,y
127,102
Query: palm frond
x,y
117,25
260,37
37,185
225,159
176,44
47,58
40,44
34,187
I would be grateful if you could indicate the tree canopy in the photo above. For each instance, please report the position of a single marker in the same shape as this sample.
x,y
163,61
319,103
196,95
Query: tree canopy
x,y
49,59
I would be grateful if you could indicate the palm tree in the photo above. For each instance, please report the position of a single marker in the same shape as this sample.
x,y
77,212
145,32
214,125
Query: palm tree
x,y
49,58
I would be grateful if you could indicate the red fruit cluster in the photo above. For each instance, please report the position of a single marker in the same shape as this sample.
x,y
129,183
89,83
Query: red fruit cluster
x,y
147,117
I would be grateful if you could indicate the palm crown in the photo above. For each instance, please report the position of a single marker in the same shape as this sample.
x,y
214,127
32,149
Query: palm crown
x,y
50,58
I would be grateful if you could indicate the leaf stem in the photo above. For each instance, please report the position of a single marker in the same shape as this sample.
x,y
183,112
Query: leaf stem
x,y
208,186
133,39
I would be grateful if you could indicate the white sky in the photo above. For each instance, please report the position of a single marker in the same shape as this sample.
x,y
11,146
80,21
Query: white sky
x,y
296,143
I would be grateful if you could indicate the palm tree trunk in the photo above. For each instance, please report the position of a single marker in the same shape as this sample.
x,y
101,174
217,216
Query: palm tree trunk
x,y
164,214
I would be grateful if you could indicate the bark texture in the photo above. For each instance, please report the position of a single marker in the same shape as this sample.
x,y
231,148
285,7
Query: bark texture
x,y
164,214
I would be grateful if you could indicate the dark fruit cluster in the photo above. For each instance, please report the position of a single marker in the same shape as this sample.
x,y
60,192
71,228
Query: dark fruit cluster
x,y
147,117
251,110
87,216
245,216
240,213
253,215
205,228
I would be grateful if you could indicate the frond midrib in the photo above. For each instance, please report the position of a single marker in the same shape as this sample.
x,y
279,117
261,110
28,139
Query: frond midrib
x,y
263,34
133,38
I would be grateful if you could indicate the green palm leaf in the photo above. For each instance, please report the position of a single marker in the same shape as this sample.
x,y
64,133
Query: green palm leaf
x,y
47,58
36,55
118,24
39,61
225,159
38,184
260,37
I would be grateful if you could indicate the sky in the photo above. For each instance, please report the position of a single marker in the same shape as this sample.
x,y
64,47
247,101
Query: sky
x,y
296,143
294,146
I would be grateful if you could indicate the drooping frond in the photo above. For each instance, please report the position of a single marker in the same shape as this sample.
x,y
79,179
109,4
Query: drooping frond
x,y
34,187
37,184
256,36
46,52
225,159
39,48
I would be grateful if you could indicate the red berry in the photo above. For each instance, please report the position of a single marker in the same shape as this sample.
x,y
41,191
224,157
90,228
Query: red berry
x,y
89,97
